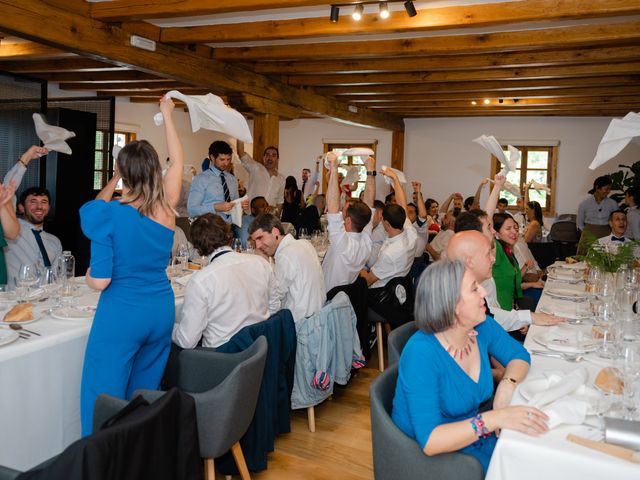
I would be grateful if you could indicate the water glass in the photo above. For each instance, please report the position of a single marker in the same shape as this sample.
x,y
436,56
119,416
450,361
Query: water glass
x,y
182,256
27,278
236,245
592,282
303,233
629,365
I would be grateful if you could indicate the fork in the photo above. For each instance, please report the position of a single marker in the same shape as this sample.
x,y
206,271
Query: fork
x,y
569,357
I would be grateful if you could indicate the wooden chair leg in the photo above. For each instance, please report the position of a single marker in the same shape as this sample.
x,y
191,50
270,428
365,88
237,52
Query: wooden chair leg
x,y
380,349
311,418
209,469
238,456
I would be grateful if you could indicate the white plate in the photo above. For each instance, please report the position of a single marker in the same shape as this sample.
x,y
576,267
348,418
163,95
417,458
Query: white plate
x,y
37,315
7,297
8,336
566,312
564,338
565,293
570,266
71,313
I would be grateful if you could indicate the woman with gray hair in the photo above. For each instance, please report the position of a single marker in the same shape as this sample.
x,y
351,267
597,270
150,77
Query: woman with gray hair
x,y
444,373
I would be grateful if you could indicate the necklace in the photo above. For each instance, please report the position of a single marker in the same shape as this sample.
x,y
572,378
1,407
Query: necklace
x,y
465,349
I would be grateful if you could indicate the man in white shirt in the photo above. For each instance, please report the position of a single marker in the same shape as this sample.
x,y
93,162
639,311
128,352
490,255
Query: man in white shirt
x,y
417,213
478,254
32,245
299,285
218,301
310,181
618,224
378,235
264,179
441,240
397,252
349,231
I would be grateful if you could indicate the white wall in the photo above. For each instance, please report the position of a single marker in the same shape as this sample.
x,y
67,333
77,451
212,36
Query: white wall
x,y
440,153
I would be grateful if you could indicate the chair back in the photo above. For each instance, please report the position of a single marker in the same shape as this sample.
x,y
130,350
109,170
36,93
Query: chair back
x,y
394,301
225,387
397,340
564,231
397,456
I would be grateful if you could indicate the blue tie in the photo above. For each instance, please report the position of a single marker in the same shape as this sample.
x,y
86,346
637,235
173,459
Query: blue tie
x,y
617,239
43,251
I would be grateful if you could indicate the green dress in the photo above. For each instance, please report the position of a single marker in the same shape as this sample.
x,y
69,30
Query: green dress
x,y
507,277
3,264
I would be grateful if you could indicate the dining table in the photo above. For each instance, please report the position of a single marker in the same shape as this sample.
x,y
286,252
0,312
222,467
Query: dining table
x,y
552,456
40,376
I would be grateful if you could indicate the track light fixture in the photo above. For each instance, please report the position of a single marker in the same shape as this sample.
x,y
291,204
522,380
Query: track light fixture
x,y
335,14
358,9
410,8
357,12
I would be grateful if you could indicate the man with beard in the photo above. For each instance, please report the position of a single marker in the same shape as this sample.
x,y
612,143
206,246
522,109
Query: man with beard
x,y
33,245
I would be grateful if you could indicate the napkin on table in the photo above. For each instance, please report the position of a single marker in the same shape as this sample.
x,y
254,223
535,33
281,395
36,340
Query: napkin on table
x,y
53,137
209,112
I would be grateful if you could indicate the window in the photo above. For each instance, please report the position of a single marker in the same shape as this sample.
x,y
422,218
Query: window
x,y
538,164
347,162
101,171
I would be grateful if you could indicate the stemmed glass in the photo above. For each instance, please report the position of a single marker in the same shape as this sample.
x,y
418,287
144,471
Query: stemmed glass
x,y
27,278
52,281
630,367
236,245
182,256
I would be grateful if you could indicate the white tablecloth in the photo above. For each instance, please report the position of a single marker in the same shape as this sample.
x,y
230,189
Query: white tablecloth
x,y
40,391
552,456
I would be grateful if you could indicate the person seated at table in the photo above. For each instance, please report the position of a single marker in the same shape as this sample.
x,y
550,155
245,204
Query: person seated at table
x,y
441,240
456,198
503,203
397,252
310,216
257,206
217,300
618,225
349,230
533,231
378,234
433,220
417,214
292,200
506,271
32,245
131,241
444,373
529,268
299,284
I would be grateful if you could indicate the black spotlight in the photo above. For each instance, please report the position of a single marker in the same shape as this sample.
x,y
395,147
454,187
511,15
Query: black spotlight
x,y
335,13
410,8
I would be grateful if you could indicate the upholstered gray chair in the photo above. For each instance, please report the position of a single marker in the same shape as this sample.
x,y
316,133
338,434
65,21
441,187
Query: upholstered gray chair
x,y
397,456
225,387
397,340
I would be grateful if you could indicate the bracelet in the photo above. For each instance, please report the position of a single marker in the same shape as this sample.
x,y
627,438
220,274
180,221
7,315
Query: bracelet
x,y
512,381
23,164
479,427
372,173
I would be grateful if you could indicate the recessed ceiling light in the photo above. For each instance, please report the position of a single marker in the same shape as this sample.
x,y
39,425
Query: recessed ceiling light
x,y
384,10
357,12
486,101
473,102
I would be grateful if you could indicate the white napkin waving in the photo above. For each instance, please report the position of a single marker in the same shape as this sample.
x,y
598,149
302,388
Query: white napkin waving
x,y
352,175
489,143
53,137
540,186
361,152
236,211
209,112
399,173
510,187
618,135
115,151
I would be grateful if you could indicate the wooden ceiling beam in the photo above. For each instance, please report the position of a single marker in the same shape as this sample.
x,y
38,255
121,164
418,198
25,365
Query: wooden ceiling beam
x,y
247,102
449,62
73,64
26,50
141,86
489,110
398,21
111,43
522,40
479,86
97,77
547,112
151,92
122,10
509,102
468,75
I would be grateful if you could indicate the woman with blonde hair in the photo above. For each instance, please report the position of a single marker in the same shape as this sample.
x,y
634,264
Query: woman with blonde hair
x,y
131,242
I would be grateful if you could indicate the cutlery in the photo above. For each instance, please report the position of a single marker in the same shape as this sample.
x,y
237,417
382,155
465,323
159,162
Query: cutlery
x,y
569,357
17,327
615,450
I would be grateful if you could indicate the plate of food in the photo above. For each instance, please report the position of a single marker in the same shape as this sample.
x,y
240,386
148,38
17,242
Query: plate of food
x,y
73,313
22,313
8,336
567,339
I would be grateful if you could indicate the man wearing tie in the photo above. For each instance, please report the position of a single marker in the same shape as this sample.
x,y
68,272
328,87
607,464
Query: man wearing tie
x,y
214,190
33,245
618,224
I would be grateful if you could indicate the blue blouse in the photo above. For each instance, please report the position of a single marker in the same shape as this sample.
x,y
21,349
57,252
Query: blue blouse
x,y
433,390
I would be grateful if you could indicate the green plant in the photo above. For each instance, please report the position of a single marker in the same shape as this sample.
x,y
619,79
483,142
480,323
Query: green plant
x,y
628,176
608,258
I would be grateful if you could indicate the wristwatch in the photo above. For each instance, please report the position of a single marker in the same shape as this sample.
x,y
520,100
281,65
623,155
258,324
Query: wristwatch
x,y
372,173
510,380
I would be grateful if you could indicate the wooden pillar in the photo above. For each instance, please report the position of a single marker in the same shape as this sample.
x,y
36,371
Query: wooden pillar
x,y
397,149
266,133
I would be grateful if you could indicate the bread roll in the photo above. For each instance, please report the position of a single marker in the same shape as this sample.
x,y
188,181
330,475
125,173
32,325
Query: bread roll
x,y
22,312
608,380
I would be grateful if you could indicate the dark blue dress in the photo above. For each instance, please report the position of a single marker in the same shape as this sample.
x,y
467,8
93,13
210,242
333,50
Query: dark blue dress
x,y
433,389
131,333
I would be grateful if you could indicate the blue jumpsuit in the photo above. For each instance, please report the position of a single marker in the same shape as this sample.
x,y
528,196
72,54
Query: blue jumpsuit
x,y
130,337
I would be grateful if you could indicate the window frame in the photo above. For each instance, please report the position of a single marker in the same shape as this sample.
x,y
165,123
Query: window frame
x,y
107,167
552,167
346,145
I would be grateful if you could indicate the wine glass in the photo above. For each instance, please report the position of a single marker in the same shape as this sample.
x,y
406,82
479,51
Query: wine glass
x,y
52,281
182,256
236,245
303,233
27,278
630,367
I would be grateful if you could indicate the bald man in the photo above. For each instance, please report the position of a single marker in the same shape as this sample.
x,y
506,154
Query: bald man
x,y
478,255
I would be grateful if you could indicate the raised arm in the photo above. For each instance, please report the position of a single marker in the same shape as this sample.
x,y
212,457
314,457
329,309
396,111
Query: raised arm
x,y
494,196
173,178
401,197
476,197
10,224
445,205
107,191
333,189
422,209
369,196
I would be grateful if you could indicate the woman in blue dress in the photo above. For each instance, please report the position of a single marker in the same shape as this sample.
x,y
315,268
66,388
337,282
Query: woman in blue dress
x,y
445,375
131,242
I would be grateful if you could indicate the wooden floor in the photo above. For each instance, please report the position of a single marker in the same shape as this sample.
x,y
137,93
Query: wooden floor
x,y
340,448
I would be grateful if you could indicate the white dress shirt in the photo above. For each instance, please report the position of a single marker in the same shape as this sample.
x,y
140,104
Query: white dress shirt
x,y
24,249
612,245
222,298
522,252
347,254
441,240
396,256
261,183
422,238
299,280
378,236
510,320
